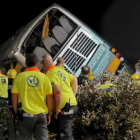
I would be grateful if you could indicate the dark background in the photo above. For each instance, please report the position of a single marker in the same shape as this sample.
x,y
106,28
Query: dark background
x,y
117,21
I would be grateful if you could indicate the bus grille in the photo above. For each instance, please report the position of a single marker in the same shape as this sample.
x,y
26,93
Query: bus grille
x,y
78,52
83,44
73,60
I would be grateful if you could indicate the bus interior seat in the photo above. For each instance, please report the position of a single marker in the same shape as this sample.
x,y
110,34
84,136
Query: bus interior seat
x,y
66,24
40,52
60,34
51,45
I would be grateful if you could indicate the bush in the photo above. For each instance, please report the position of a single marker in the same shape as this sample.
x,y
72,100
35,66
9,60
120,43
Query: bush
x,y
109,115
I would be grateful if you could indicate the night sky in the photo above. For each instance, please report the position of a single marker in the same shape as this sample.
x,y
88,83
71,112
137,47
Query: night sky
x,y
117,21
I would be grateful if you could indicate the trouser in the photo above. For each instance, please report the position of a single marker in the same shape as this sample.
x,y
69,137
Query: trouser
x,y
36,124
65,124
4,102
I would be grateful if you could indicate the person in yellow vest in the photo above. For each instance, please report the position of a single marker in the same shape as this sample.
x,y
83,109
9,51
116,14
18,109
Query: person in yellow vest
x,y
105,84
3,85
136,75
3,88
11,74
34,90
64,87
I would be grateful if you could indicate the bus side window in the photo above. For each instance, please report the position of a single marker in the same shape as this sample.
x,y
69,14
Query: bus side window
x,y
51,45
60,34
40,52
66,24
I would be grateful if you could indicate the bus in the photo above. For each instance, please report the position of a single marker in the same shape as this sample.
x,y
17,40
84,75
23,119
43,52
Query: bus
x,y
58,32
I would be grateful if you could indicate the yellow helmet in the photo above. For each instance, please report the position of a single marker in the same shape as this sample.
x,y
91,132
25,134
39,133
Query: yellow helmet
x,y
11,73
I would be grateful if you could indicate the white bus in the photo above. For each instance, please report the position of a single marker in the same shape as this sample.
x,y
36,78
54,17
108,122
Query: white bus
x,y
58,32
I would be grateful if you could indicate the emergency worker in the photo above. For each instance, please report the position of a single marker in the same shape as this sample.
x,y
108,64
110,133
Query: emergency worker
x,y
3,87
34,90
11,74
64,88
136,75
105,84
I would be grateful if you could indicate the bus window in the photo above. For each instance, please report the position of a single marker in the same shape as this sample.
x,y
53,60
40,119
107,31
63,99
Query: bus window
x,y
49,34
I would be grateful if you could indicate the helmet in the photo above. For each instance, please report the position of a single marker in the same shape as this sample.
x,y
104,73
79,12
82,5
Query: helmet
x,y
11,73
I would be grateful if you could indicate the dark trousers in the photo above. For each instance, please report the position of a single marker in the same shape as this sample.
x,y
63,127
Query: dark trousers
x,y
4,102
36,124
64,124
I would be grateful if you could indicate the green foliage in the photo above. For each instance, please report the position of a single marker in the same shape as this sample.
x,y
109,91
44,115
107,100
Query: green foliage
x,y
113,115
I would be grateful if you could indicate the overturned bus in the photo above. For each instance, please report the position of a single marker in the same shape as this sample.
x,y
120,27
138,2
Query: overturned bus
x,y
59,33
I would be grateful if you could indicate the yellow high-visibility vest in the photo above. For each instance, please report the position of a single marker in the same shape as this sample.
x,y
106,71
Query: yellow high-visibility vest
x,y
11,73
135,76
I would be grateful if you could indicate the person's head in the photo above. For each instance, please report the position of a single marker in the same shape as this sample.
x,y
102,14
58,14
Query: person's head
x,y
47,61
31,60
60,61
137,66
85,71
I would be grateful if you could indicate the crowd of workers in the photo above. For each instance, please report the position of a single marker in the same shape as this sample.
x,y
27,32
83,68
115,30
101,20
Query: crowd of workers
x,y
41,96
48,98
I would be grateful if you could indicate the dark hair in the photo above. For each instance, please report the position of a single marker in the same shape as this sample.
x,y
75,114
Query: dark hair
x,y
85,70
31,60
